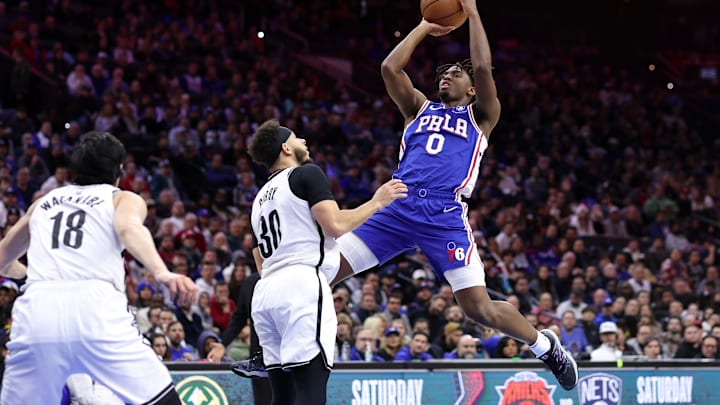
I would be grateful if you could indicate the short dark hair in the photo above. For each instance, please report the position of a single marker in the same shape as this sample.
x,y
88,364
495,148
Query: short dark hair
x,y
419,332
465,65
96,159
262,147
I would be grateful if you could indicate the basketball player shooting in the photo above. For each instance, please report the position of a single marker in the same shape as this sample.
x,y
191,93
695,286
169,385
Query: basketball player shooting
x,y
440,154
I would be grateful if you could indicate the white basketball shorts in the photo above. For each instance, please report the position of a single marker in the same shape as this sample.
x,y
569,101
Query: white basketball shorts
x,y
66,327
294,317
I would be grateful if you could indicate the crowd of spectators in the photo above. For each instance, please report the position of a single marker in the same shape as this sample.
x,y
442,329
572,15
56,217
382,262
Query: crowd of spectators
x,y
594,211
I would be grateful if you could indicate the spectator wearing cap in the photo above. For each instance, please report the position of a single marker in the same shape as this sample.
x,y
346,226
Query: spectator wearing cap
x,y
394,309
421,298
452,331
608,350
9,202
189,227
388,277
400,326
390,344
145,292
574,303
12,216
189,246
203,224
606,312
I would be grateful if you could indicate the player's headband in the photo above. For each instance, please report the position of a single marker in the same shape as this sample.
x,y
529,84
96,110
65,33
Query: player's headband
x,y
283,133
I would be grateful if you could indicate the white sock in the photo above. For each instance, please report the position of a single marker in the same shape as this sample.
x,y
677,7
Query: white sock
x,y
541,345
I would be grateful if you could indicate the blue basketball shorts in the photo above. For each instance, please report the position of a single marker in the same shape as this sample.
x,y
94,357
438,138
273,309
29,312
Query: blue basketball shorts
x,y
432,221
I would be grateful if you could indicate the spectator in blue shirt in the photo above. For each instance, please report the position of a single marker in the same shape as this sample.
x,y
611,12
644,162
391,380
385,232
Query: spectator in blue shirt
x,y
416,350
178,349
606,314
572,336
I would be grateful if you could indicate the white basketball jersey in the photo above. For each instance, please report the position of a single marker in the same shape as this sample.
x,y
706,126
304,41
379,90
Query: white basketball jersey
x,y
286,231
72,237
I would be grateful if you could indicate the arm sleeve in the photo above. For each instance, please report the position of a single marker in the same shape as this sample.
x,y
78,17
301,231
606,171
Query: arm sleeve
x,y
310,183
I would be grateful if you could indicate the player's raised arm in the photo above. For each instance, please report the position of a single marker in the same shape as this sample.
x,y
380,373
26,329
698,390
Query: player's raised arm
x,y
397,82
486,103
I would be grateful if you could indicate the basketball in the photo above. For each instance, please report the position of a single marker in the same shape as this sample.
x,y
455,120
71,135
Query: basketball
x,y
448,13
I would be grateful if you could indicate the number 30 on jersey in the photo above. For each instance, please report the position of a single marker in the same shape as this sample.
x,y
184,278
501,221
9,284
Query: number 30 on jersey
x,y
270,234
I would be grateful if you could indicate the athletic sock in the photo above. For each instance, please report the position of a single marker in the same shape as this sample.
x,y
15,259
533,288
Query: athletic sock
x,y
541,345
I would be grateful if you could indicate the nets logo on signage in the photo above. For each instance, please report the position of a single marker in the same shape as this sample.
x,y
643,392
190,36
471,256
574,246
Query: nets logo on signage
x,y
600,389
526,388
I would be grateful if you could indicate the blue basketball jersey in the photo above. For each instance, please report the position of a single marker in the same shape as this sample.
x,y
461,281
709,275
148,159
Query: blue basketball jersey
x,y
441,149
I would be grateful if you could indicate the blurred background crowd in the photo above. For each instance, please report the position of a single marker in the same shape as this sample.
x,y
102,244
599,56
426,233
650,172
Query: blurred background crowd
x,y
596,210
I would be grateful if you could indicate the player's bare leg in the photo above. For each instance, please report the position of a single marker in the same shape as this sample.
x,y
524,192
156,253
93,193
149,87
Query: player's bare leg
x,y
501,315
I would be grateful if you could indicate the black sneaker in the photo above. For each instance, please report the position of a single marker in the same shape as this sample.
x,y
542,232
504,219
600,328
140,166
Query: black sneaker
x,y
251,368
561,362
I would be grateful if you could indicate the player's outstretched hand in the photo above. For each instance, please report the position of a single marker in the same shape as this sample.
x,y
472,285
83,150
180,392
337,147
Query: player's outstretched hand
x,y
216,353
389,192
435,30
181,287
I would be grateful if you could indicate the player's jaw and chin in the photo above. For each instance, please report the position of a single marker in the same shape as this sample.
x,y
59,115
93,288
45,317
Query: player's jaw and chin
x,y
302,155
